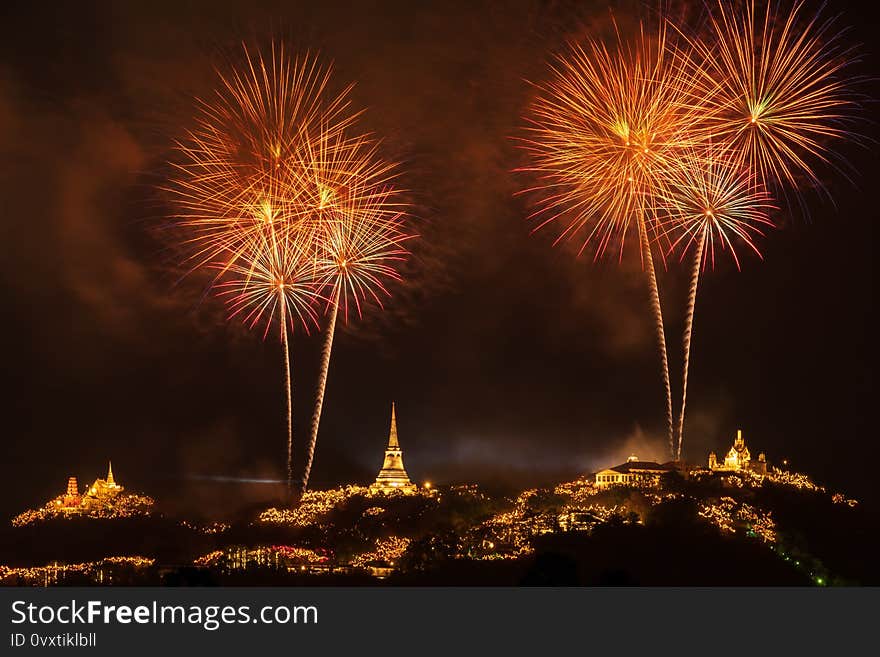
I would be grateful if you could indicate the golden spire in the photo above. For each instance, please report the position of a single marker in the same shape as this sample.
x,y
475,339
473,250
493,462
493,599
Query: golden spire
x,y
110,473
393,476
392,436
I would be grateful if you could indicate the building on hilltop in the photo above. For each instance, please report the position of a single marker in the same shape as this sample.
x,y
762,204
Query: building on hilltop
x,y
99,494
632,473
71,498
392,476
104,488
738,459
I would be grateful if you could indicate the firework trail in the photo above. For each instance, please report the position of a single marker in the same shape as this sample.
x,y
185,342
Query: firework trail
x,y
713,202
363,239
288,389
602,134
657,312
688,332
319,397
274,274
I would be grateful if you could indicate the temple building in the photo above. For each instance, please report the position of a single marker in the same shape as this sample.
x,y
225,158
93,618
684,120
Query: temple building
x,y
98,494
392,476
71,497
738,459
632,473
104,488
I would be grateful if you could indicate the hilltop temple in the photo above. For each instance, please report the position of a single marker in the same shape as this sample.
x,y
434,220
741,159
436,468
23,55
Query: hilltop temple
x,y
97,495
392,476
738,459
103,499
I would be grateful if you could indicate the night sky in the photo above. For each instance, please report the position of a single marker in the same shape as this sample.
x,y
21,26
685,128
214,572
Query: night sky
x,y
511,361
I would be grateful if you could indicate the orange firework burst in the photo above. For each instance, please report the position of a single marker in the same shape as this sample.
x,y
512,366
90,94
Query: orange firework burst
x,y
283,204
235,174
603,134
712,203
266,153
362,243
276,275
334,174
681,139
771,86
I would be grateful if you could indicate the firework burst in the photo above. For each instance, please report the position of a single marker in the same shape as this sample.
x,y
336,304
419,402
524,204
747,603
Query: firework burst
x,y
603,132
244,186
275,278
770,83
602,135
236,171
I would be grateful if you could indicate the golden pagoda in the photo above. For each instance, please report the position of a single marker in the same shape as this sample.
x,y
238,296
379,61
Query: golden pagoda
x,y
393,476
71,499
103,488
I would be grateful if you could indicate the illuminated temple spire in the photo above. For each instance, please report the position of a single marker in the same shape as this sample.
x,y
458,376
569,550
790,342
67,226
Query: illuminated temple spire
x,y
393,475
110,473
392,436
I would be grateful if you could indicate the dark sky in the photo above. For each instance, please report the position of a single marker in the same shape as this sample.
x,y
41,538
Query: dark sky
x,y
509,360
